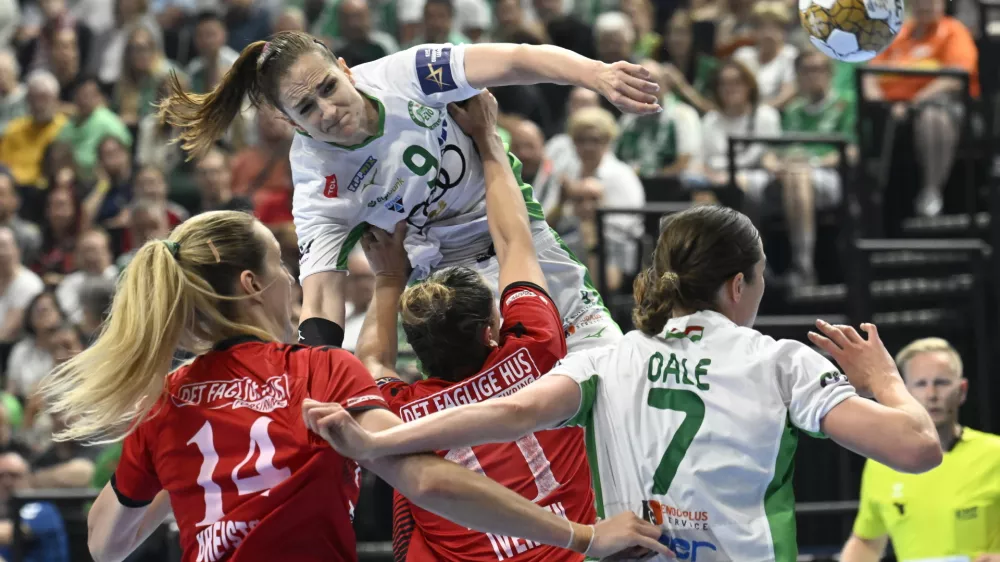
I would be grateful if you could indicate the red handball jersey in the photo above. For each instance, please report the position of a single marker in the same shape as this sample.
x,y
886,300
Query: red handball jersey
x,y
247,480
547,467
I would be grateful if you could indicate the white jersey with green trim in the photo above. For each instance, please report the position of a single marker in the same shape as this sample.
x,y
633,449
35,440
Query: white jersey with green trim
x,y
420,167
696,431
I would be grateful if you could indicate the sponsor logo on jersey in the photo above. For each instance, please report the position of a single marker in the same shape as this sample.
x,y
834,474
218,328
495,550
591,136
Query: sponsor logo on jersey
x,y
361,173
675,517
509,547
831,378
967,513
511,374
583,318
218,539
330,190
426,117
434,70
244,392
351,402
304,251
383,198
520,294
396,204
443,137
596,335
688,549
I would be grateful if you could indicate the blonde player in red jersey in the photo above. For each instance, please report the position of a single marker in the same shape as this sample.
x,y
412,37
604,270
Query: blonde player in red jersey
x,y
222,439
455,329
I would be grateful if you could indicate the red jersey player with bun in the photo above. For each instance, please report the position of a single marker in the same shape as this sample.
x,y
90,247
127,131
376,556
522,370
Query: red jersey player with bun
x,y
454,327
222,439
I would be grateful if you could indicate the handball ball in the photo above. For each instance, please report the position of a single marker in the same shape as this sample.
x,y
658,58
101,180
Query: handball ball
x,y
851,30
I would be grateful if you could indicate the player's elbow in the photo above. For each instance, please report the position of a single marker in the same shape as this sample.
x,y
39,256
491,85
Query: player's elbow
x,y
919,453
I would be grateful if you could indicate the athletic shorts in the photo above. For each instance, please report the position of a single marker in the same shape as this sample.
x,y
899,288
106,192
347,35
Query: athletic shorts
x,y
586,321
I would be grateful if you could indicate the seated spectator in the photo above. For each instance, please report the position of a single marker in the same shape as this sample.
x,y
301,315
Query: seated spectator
x,y
65,64
95,301
291,18
511,20
93,259
358,42
110,47
144,71
615,37
59,229
42,50
106,204
34,355
27,234
92,122
733,24
528,144
22,147
12,92
662,144
11,418
214,57
41,523
152,186
688,71
262,172
64,464
357,295
957,500
559,149
439,24
155,147
929,40
808,174
647,40
770,58
245,23
740,113
148,220
18,285
215,184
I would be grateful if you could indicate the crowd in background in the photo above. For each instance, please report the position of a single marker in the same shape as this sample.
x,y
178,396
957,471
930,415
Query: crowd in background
x,y
89,173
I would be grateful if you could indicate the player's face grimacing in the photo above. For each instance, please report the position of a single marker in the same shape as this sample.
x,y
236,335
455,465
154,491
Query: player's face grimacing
x,y
320,98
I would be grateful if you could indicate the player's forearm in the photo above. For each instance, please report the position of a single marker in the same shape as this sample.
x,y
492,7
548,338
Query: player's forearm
x,y
456,493
495,421
862,550
378,344
914,445
506,214
504,64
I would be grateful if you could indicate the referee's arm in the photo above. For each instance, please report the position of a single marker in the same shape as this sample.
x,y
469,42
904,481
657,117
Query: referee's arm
x,y
859,549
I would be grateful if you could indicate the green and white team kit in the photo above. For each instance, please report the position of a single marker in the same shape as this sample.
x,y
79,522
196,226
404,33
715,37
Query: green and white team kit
x,y
695,430
422,168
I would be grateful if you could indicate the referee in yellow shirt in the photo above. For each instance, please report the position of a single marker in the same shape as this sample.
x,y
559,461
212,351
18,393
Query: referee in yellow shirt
x,y
950,513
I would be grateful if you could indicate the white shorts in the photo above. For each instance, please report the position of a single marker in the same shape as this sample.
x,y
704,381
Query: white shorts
x,y
586,321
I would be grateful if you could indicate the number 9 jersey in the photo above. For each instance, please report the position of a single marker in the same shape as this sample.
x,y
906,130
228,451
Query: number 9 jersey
x,y
696,430
247,480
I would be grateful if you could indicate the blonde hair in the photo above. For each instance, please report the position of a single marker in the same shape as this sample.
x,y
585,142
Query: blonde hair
x,y
592,118
771,11
929,345
256,74
174,294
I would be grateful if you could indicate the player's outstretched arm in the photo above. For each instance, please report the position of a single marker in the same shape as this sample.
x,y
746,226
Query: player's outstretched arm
x,y
628,86
506,213
378,344
858,549
114,531
323,309
473,500
906,439
543,404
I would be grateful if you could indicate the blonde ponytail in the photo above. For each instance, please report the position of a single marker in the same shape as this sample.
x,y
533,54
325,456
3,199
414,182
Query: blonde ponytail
x,y
174,295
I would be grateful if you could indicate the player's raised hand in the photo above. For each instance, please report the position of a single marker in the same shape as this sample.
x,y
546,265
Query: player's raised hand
x,y
476,116
385,252
630,87
626,536
338,428
866,362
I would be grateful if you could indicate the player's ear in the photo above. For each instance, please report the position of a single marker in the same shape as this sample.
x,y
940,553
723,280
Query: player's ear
x,y
250,286
345,69
963,385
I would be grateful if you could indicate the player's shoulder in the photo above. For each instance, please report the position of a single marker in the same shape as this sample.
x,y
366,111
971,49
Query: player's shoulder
x,y
520,290
987,443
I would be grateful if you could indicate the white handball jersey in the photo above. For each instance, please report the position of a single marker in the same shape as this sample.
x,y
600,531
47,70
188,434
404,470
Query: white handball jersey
x,y
419,167
696,431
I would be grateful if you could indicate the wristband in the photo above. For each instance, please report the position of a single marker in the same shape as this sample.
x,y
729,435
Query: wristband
x,y
320,331
575,541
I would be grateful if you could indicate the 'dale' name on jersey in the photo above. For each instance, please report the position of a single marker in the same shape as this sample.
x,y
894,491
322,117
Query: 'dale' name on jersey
x,y
420,167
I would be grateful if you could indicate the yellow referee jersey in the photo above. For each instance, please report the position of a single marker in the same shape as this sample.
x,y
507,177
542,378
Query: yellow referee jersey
x,y
950,511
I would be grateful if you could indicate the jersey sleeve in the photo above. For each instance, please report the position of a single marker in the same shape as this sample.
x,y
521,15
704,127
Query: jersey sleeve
x,y
395,392
324,223
530,315
433,74
868,524
338,376
584,367
135,481
809,383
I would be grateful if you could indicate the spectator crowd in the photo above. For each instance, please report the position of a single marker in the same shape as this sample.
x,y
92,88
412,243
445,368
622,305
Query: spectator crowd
x,y
89,173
